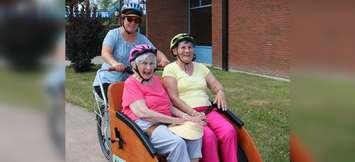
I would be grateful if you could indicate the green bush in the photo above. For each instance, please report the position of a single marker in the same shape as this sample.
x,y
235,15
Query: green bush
x,y
84,35
26,38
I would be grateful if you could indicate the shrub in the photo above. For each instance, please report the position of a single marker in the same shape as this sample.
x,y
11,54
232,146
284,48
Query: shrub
x,y
26,37
84,35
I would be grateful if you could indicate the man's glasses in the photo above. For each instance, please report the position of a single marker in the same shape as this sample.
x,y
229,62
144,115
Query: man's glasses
x,y
135,19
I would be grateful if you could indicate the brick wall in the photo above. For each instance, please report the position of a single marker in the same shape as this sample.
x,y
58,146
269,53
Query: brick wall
x,y
217,33
258,32
259,36
165,18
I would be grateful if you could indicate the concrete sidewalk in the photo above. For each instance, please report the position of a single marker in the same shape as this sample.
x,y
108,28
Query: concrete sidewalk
x,y
81,143
25,135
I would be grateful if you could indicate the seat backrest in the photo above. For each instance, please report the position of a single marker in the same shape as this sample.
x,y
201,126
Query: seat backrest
x,y
115,91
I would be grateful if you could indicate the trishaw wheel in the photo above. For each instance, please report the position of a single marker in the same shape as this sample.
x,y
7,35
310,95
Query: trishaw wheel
x,y
101,129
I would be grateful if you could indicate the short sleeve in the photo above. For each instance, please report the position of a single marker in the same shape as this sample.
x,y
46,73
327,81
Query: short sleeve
x,y
203,69
169,71
110,39
131,93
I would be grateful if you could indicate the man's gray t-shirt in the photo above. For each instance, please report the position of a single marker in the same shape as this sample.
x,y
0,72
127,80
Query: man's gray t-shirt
x,y
120,50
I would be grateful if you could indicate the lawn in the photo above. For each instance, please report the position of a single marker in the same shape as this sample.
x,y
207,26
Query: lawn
x,y
22,89
262,103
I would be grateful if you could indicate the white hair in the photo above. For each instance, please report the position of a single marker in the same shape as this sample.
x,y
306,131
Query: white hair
x,y
147,56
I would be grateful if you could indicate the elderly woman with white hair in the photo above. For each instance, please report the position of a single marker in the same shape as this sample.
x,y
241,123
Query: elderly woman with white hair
x,y
146,102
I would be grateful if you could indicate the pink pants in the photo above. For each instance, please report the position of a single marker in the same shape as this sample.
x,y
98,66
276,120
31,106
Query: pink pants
x,y
219,141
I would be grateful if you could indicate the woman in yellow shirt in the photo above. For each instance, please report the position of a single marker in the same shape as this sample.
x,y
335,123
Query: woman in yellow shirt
x,y
187,82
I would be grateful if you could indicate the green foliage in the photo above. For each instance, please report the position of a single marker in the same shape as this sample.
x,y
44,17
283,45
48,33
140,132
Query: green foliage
x,y
84,36
105,4
26,37
78,88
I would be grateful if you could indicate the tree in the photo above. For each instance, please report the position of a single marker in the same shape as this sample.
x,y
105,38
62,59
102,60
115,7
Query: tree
x,y
27,36
105,4
84,35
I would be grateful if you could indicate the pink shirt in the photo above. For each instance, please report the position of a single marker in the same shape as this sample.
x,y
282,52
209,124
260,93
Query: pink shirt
x,y
153,93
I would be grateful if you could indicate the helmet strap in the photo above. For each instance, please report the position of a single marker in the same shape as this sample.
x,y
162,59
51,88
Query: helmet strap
x,y
126,29
186,63
178,57
140,75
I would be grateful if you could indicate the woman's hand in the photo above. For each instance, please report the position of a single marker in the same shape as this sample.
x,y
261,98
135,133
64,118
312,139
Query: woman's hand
x,y
179,121
163,62
217,88
201,115
117,67
195,119
220,100
162,59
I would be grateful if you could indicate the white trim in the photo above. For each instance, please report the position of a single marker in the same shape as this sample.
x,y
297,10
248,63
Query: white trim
x,y
255,74
208,65
262,75
202,6
197,46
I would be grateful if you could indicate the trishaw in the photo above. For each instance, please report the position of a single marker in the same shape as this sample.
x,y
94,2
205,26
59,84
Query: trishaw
x,y
122,140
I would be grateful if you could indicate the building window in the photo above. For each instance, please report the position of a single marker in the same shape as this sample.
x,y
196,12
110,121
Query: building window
x,y
194,3
199,3
205,2
201,21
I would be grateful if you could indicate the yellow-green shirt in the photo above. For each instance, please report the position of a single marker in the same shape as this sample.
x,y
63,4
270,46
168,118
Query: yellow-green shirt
x,y
191,89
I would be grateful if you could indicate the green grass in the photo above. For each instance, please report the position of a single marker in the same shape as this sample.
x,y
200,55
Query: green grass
x,y
323,116
262,103
78,88
22,89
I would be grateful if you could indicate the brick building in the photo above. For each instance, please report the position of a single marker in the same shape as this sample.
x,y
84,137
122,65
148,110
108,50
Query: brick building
x,y
244,35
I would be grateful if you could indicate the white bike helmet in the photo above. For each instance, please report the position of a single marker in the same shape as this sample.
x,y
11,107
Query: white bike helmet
x,y
132,8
